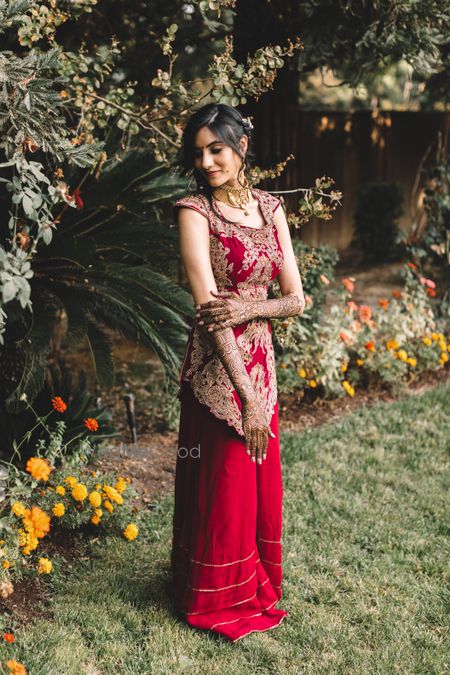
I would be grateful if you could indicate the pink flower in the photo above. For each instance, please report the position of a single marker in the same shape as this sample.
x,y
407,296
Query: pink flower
x,y
427,282
365,313
345,337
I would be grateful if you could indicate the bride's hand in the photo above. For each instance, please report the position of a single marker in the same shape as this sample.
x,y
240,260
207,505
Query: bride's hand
x,y
256,430
227,311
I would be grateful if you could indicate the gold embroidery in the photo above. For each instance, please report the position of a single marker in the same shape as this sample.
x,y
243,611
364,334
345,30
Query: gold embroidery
x,y
199,562
261,257
224,588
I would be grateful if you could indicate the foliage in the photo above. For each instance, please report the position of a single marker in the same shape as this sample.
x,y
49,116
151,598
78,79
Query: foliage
x,y
429,239
56,491
81,405
352,343
376,220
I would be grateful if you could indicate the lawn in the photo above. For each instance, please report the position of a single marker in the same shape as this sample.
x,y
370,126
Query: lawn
x,y
366,551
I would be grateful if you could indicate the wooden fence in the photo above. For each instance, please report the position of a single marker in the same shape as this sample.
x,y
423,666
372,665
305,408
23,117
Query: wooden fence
x,y
351,147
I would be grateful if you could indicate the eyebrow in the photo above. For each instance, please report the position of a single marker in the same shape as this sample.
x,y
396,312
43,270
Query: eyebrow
x,y
196,147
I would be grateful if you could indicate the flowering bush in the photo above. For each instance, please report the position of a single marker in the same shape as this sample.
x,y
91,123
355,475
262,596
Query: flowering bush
x,y
56,492
352,343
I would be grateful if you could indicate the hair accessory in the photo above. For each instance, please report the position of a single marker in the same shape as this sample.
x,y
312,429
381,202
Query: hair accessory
x,y
247,123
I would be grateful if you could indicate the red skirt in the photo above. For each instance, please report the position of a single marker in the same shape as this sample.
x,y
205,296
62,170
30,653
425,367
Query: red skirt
x,y
226,550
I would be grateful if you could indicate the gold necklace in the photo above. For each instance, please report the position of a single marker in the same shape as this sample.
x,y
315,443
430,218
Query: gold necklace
x,y
240,197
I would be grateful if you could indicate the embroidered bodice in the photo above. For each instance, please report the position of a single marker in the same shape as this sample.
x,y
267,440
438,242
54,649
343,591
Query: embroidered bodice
x,y
246,260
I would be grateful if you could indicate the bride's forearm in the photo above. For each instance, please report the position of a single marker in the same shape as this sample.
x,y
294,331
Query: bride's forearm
x,y
225,343
288,305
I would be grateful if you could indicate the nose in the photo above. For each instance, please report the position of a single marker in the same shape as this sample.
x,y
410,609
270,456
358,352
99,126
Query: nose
x,y
206,161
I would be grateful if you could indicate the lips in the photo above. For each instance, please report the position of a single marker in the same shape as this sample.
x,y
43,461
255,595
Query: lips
x,y
211,173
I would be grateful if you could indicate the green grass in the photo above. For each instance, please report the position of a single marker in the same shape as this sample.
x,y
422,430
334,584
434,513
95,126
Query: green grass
x,y
366,551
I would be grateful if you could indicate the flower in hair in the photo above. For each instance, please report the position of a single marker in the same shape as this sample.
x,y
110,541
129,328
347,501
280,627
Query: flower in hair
x,y
246,122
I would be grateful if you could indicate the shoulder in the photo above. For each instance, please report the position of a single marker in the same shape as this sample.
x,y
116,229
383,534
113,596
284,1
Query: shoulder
x,y
195,201
270,201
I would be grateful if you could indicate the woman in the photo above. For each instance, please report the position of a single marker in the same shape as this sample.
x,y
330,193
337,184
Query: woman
x,y
227,523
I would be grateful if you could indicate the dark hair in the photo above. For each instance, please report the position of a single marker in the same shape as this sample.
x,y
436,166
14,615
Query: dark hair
x,y
227,123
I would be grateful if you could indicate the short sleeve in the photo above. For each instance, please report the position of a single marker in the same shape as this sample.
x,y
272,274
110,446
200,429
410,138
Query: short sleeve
x,y
270,201
276,204
191,202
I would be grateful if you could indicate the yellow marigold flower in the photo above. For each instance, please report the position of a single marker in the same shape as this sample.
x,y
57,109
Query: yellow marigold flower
x,y
359,362
95,498
79,492
402,355
444,357
60,490
121,484
22,537
2,541
448,347
348,388
59,509
18,508
108,506
426,341
71,481
98,512
95,519
283,365
412,361
31,543
15,667
113,495
98,486
6,564
344,367
442,345
131,532
392,344
40,522
435,336
39,468
93,473
312,383
45,566
301,372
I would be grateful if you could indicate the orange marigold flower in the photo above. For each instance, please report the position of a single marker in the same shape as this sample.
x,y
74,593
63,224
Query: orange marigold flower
x,y
396,294
431,292
412,265
9,637
40,521
370,346
15,668
91,424
383,302
59,404
348,284
39,468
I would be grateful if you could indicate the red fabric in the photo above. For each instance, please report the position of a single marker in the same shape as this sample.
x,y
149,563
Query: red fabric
x,y
227,525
